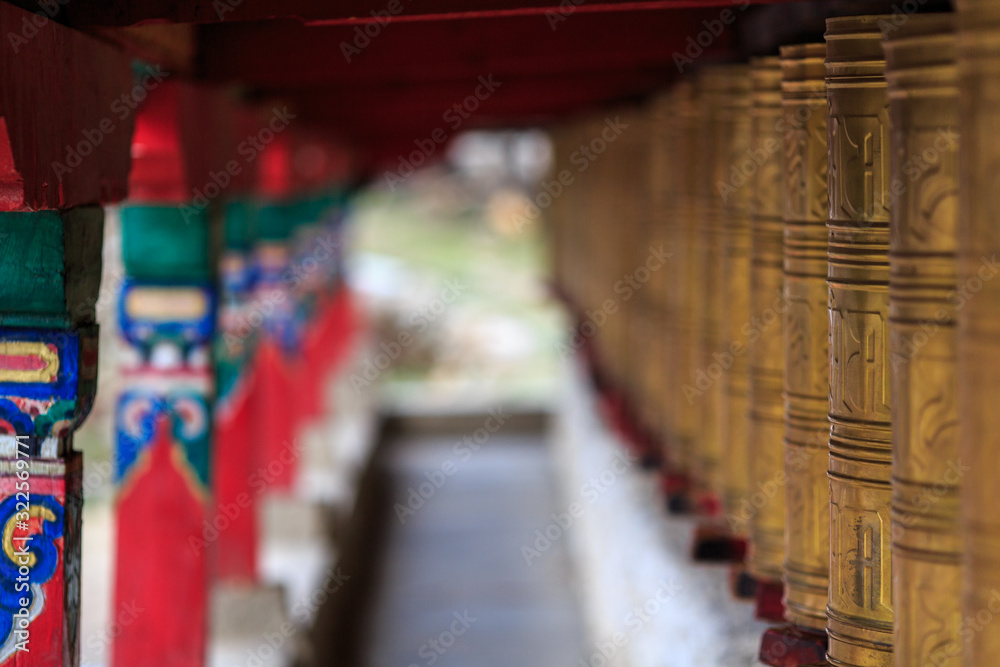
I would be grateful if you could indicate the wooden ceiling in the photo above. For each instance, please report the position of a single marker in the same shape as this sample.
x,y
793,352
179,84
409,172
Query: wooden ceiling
x,y
382,74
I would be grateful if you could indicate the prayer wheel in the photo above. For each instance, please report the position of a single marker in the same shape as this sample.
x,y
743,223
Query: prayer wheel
x,y
859,611
806,335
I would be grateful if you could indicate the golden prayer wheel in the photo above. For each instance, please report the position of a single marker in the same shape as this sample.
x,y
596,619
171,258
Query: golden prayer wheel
x,y
639,352
663,231
707,402
977,300
687,141
720,460
926,545
734,300
859,611
806,334
766,355
673,187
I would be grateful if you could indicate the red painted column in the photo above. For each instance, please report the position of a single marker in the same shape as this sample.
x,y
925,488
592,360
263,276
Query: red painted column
x,y
276,396
48,377
164,419
236,494
62,154
297,252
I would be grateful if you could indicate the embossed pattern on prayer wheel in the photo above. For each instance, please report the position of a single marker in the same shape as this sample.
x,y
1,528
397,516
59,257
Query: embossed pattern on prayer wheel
x,y
806,334
766,501
859,611
926,545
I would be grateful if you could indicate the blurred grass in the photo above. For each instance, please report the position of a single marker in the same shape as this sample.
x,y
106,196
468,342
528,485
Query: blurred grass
x,y
505,297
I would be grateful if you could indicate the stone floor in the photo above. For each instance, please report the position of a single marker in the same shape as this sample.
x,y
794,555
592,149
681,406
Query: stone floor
x,y
454,588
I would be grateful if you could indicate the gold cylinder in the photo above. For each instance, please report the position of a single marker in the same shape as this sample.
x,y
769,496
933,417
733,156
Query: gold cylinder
x,y
766,354
707,438
723,97
926,550
633,197
977,299
734,301
859,611
682,138
664,232
806,334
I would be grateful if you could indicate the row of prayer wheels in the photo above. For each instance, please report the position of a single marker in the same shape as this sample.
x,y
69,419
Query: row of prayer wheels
x,y
783,276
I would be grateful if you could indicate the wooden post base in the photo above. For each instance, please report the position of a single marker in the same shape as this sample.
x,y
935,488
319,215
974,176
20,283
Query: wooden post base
x,y
792,646
769,601
714,543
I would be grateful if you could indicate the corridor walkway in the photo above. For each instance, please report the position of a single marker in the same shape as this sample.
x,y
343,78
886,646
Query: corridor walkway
x,y
452,587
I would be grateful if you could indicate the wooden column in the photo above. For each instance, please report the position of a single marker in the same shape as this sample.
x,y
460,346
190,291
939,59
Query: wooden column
x,y
235,553
164,420
169,524
327,345
50,265
276,406
62,154
324,303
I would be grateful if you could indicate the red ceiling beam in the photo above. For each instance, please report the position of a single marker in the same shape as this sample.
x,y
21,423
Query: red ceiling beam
x,y
349,12
403,83
285,54
66,115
